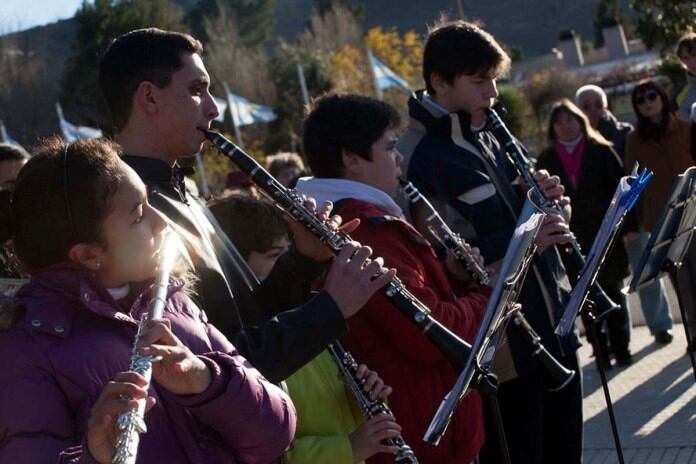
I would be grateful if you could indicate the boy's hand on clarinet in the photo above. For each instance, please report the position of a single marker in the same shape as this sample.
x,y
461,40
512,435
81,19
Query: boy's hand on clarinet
x,y
309,245
554,231
550,185
366,440
353,278
179,371
373,384
101,427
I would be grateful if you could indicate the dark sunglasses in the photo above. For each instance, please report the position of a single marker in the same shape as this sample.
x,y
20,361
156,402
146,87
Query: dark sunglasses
x,y
647,96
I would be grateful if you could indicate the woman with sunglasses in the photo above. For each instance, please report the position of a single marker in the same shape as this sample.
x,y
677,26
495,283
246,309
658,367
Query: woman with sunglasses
x,y
662,142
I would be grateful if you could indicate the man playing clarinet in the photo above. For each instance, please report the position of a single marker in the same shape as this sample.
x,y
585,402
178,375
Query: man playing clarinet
x,y
158,92
453,159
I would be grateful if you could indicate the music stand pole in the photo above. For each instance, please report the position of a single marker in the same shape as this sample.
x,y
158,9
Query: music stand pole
x,y
589,311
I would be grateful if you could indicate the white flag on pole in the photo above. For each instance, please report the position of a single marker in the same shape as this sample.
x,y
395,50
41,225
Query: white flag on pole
x,y
5,137
383,76
222,107
249,113
71,132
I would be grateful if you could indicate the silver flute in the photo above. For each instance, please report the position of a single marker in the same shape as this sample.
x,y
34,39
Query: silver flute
x,y
131,423
370,408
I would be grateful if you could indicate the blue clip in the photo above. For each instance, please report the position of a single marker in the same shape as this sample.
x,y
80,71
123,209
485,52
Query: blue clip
x,y
637,186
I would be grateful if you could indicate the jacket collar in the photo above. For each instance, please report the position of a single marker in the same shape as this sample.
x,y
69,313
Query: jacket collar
x,y
153,170
430,118
691,79
335,190
54,294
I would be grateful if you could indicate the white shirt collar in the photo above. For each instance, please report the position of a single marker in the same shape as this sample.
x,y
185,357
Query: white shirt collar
x,y
334,190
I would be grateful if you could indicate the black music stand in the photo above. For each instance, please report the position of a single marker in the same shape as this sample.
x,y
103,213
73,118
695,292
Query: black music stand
x,y
669,243
477,369
627,192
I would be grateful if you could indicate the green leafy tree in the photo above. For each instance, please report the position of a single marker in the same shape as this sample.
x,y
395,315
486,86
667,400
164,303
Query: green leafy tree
x,y
254,19
514,103
98,23
325,6
286,131
660,23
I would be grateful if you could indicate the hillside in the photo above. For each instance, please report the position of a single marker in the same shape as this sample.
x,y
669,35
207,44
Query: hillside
x,y
533,25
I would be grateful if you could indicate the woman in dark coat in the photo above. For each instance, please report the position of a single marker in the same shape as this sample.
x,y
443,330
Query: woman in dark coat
x,y
590,170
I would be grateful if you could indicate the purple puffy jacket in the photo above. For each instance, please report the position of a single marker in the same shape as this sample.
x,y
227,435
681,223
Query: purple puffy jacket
x,y
71,340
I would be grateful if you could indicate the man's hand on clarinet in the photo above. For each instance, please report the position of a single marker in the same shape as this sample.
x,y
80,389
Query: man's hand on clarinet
x,y
353,277
309,245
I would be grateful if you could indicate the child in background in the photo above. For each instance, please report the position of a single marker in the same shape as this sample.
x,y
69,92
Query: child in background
x,y
330,427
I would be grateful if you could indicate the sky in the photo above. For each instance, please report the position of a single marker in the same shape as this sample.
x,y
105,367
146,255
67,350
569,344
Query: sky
x,y
18,15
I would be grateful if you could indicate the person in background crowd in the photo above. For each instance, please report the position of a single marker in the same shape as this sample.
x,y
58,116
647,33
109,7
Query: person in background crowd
x,y
238,182
590,170
653,298
662,143
12,158
157,90
83,227
330,427
453,159
592,100
286,167
686,52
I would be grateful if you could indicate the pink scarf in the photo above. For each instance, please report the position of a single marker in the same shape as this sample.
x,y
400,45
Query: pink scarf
x,y
572,161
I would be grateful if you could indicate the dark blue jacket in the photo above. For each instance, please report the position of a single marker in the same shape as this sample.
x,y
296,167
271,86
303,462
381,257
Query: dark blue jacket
x,y
471,180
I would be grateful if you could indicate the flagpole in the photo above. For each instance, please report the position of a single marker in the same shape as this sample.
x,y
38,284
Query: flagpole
x,y
234,111
460,9
371,59
59,111
3,132
303,84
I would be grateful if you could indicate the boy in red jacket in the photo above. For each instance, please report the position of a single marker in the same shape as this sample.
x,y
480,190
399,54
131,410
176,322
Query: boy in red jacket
x,y
350,144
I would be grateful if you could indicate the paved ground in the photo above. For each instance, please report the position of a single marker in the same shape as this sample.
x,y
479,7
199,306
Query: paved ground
x,y
654,402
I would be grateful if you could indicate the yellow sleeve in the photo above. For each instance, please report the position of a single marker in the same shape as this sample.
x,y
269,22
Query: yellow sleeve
x,y
321,449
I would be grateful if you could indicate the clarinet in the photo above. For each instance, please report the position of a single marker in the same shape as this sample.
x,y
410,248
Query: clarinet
x,y
556,374
370,408
452,348
526,171
131,424
443,234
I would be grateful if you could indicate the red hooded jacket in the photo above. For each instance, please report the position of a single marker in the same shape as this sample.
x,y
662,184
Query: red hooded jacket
x,y
389,343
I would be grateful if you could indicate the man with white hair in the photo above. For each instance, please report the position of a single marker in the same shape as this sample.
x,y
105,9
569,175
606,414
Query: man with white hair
x,y
593,101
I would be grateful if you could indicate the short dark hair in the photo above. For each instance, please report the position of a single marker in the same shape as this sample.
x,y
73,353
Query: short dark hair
x,y
141,55
458,48
251,223
12,153
687,43
344,122
61,198
645,127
